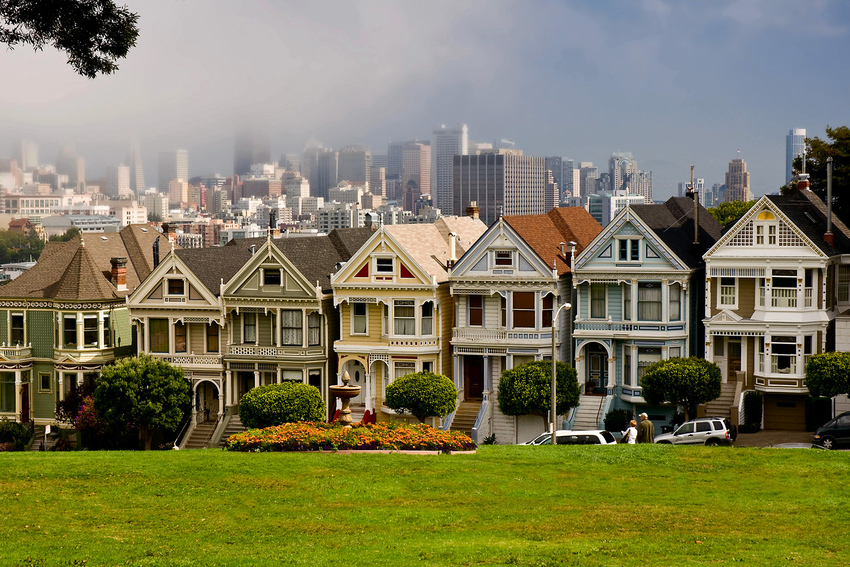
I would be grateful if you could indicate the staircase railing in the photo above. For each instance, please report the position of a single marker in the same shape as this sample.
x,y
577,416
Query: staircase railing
x,y
176,444
603,409
211,433
446,423
482,411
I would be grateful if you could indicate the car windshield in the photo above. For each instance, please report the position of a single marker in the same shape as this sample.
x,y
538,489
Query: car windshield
x,y
686,428
540,439
606,434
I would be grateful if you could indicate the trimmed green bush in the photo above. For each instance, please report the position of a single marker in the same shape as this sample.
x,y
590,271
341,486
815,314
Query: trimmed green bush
x,y
828,374
527,390
13,435
423,395
275,404
752,410
687,382
617,420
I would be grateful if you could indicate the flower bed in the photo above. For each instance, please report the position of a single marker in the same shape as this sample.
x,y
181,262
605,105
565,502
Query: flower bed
x,y
306,436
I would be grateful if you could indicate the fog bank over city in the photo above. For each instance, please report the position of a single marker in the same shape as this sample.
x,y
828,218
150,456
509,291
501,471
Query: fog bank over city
x,y
675,84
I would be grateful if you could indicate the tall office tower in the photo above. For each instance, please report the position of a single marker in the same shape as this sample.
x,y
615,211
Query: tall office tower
x,y
118,181
445,144
795,146
394,150
587,178
551,197
380,160
378,180
172,165
292,162
738,181
327,173
178,192
354,164
310,164
250,146
501,182
624,174
81,175
296,186
555,164
137,173
415,175
66,164
28,155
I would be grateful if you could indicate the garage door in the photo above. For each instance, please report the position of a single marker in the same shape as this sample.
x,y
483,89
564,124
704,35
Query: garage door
x,y
784,412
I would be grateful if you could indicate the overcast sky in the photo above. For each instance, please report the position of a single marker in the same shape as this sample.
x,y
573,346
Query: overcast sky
x,y
674,83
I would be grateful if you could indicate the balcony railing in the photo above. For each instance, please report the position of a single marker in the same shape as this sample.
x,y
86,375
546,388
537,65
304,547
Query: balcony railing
x,y
615,326
208,361
807,296
783,297
15,352
270,351
462,334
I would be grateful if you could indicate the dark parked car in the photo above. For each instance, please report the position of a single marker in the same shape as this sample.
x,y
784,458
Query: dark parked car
x,y
835,434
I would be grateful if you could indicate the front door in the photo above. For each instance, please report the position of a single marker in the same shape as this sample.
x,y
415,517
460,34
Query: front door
x,y
473,377
597,373
733,358
25,402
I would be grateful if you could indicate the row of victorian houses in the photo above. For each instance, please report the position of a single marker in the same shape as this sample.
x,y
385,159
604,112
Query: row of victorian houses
x,y
455,297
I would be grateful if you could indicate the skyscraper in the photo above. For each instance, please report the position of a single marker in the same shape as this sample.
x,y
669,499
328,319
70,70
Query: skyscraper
x,y
738,181
415,175
354,164
624,174
500,181
327,173
137,173
795,146
250,146
118,181
172,165
445,144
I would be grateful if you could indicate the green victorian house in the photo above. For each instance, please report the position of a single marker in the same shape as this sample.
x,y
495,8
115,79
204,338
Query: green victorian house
x,y
66,317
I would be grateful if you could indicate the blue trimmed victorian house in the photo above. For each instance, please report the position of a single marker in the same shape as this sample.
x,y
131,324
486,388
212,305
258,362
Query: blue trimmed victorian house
x,y
639,300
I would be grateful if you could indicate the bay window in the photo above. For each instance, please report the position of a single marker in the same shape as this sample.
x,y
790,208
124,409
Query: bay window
x,y
90,330
314,329
158,335
597,301
523,312
476,310
427,318
649,301
404,317
69,331
291,327
675,291
179,337
358,319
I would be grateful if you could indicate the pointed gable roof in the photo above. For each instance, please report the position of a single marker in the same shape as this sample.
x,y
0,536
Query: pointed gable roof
x,y
82,280
808,213
545,233
673,222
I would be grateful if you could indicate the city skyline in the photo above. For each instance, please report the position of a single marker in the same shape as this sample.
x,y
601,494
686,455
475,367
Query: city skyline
x,y
374,72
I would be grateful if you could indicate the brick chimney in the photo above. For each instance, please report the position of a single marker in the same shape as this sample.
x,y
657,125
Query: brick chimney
x,y
472,210
118,275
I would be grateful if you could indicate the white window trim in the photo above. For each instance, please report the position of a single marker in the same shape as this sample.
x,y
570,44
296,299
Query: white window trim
x,y
366,316
167,293
721,305
500,266
378,272
469,309
640,249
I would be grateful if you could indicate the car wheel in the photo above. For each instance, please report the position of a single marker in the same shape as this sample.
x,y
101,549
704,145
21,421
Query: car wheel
x,y
712,442
828,443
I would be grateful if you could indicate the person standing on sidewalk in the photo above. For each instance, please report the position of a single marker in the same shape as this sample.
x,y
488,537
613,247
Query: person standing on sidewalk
x,y
645,431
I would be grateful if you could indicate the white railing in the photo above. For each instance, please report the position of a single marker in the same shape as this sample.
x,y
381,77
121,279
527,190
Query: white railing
x,y
501,335
190,359
783,297
16,352
254,350
84,355
807,297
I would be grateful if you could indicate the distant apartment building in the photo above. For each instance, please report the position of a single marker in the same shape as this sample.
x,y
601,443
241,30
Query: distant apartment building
x,y
625,175
378,180
605,206
587,175
128,212
339,215
296,186
445,144
738,181
261,187
501,182
178,193
156,204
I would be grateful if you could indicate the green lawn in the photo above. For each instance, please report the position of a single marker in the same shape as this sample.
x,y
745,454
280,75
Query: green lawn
x,y
607,506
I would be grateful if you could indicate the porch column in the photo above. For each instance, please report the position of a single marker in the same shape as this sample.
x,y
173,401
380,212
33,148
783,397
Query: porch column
x,y
147,335
488,386
228,387
277,334
100,330
256,378
279,374
61,386
194,417
18,401
172,336
612,378
221,399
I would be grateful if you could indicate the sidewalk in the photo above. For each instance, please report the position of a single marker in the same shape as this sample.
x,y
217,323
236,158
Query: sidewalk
x,y
773,437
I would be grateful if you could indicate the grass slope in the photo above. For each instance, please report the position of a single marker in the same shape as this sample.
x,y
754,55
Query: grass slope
x,y
610,506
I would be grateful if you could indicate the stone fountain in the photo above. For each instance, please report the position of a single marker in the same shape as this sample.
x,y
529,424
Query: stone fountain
x,y
345,393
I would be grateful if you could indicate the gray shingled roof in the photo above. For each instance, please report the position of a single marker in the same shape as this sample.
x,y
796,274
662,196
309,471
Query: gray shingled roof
x,y
808,212
673,223
212,265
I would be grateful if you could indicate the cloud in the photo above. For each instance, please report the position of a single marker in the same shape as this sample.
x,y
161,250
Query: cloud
x,y
810,17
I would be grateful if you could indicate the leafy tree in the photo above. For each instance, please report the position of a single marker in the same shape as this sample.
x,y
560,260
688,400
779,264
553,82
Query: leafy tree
x,y
683,381
275,404
828,374
143,392
18,247
423,395
153,217
730,211
69,234
527,390
93,33
817,152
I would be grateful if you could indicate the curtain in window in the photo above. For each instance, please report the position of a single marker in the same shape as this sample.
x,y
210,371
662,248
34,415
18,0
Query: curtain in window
x,y
649,301
179,337
358,315
250,327
675,302
523,309
427,318
158,335
314,329
404,314
291,330
597,301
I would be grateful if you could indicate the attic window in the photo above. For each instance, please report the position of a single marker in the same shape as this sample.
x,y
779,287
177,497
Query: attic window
x,y
384,265
504,258
271,276
176,287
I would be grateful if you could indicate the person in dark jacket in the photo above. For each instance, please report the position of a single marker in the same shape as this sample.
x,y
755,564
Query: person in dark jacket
x,y
645,431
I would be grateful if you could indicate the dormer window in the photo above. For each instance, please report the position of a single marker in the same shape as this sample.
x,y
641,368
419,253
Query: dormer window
x,y
765,229
384,265
176,287
271,276
504,258
629,250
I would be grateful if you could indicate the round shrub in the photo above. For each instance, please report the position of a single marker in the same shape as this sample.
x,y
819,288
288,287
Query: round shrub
x,y
617,420
281,403
422,394
13,435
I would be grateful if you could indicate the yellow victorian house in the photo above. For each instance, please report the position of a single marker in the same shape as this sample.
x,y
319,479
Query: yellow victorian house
x,y
396,313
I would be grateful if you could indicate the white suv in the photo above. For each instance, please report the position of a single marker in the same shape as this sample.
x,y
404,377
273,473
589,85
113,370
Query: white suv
x,y
568,437
700,431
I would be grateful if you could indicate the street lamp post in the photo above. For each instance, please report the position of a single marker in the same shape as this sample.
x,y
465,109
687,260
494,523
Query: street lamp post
x,y
554,415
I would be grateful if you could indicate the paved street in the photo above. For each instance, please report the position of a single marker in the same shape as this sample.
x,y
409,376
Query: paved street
x,y
771,438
